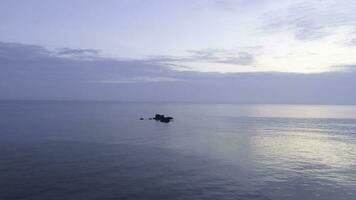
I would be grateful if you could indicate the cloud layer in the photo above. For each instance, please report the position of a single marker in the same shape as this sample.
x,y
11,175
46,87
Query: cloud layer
x,y
34,72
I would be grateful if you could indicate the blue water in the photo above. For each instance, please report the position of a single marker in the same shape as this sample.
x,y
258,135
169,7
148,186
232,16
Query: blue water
x,y
101,150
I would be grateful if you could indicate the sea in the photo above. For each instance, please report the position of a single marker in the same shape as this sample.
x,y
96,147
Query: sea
x,y
73,150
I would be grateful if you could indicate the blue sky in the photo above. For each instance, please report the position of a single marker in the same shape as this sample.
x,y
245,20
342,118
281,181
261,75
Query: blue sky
x,y
107,49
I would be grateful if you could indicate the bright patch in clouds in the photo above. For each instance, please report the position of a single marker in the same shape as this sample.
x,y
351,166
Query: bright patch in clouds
x,y
280,52
288,54
298,37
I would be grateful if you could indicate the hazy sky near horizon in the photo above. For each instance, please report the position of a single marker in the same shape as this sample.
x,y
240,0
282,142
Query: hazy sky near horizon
x,y
259,51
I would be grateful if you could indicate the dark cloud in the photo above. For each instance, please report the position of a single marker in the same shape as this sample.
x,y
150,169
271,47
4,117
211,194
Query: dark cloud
x,y
78,52
47,76
22,52
166,59
20,58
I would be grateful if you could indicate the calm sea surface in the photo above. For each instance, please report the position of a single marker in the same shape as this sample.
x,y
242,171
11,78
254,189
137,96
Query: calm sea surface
x,y
101,150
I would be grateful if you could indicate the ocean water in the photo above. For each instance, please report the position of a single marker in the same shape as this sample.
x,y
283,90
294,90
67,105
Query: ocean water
x,y
101,150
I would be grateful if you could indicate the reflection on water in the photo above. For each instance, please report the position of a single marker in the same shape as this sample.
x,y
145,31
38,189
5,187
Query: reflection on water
x,y
304,111
313,154
74,150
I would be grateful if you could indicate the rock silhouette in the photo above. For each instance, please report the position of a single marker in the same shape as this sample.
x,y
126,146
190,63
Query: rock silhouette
x,y
162,118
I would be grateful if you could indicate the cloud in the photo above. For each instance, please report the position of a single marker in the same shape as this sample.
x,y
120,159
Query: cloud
x,y
49,76
238,5
347,68
206,54
78,53
353,42
311,20
138,79
18,58
166,59
213,56
22,52
243,58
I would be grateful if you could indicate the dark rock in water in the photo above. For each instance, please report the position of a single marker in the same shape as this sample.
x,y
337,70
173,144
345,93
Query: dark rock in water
x,y
141,118
158,117
150,118
162,118
165,120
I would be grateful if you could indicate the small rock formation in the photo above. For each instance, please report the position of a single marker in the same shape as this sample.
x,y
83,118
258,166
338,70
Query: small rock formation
x,y
162,118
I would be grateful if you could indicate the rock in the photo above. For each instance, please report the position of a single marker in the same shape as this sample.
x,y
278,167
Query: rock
x,y
158,117
165,120
162,118
141,118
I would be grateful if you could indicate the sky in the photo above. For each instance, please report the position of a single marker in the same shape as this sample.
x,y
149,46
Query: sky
x,y
243,51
